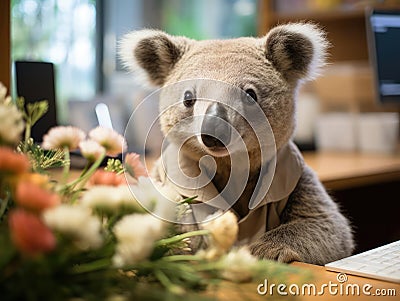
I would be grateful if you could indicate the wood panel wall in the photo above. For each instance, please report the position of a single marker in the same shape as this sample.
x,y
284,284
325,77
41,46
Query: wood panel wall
x,y
5,62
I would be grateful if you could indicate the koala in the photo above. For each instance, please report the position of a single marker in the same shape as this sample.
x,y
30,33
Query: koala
x,y
296,219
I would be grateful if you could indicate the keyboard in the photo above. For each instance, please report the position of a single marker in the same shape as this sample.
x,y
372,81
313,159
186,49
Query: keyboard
x,y
382,263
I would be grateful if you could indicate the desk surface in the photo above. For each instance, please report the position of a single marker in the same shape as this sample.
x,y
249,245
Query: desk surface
x,y
248,291
345,170
341,170
336,171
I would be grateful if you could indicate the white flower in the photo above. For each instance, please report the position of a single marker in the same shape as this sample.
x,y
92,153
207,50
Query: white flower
x,y
127,199
224,230
4,99
11,124
113,142
77,223
91,150
63,136
100,197
110,198
211,253
117,298
238,265
162,201
168,204
170,193
146,192
136,234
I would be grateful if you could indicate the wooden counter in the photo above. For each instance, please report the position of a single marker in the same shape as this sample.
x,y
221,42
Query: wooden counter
x,y
346,170
248,291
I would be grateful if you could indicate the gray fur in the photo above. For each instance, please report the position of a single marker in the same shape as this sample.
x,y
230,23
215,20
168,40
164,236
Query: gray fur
x,y
158,56
312,228
290,53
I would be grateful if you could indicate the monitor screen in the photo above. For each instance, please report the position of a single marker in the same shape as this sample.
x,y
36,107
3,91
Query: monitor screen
x,y
384,47
35,82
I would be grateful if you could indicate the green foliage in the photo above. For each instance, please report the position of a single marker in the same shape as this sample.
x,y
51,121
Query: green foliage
x,y
31,113
114,165
188,18
70,270
4,201
41,159
35,34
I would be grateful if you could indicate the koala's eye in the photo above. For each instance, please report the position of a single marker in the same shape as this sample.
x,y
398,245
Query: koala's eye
x,y
188,99
251,94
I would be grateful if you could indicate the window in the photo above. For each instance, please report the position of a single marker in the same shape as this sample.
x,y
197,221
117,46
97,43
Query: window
x,y
65,33
209,19
62,32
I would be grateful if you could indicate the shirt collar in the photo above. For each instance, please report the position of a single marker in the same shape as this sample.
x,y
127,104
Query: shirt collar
x,y
175,167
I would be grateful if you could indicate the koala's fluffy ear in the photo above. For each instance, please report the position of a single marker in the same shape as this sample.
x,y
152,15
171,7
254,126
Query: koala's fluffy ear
x,y
151,54
297,50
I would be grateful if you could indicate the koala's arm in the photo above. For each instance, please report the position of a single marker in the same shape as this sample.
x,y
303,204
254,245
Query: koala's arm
x,y
312,228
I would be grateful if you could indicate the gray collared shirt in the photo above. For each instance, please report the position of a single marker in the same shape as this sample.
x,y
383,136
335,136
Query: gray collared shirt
x,y
263,217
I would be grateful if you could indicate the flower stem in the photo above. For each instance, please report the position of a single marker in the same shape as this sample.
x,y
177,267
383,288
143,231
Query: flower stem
x,y
93,266
67,164
3,206
182,258
164,280
179,237
27,131
85,169
90,171
84,177
212,266
27,134
188,200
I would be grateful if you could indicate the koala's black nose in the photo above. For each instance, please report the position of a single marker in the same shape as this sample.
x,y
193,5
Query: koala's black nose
x,y
215,130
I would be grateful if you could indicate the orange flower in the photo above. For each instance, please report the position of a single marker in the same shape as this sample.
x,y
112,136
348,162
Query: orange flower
x,y
102,177
12,162
33,197
134,167
29,234
36,178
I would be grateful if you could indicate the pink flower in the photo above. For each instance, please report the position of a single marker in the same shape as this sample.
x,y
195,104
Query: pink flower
x,y
109,178
33,197
134,166
63,136
113,142
12,162
91,150
29,234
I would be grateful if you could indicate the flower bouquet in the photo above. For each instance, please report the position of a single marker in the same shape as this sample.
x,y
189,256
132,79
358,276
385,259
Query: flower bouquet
x,y
88,237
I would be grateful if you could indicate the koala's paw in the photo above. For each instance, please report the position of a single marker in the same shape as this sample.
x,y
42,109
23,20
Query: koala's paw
x,y
274,251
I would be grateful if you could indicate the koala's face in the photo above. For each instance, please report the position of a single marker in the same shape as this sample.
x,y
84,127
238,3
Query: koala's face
x,y
218,89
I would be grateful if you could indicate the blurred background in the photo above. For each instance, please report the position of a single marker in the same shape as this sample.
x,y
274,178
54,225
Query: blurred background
x,y
347,131
80,38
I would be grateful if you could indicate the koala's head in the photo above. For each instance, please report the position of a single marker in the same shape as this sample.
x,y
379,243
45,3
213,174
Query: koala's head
x,y
263,72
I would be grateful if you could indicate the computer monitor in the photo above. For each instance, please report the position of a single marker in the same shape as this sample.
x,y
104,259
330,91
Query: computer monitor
x,y
35,82
383,32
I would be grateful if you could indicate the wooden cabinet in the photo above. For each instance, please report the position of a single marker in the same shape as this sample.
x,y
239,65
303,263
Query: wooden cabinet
x,y
5,69
345,25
